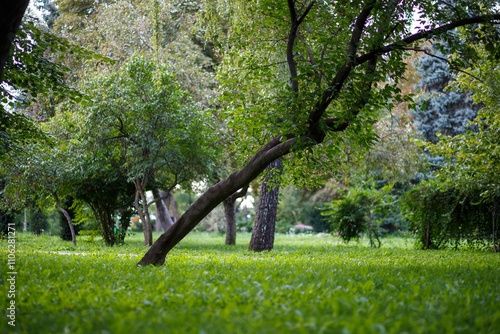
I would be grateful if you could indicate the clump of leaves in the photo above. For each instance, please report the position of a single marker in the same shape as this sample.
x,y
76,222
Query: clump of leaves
x,y
359,211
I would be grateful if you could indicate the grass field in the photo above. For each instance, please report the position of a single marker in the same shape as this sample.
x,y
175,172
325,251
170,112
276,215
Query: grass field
x,y
308,284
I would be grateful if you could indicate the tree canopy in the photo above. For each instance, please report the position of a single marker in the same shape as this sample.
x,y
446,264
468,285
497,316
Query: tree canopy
x,y
304,80
304,72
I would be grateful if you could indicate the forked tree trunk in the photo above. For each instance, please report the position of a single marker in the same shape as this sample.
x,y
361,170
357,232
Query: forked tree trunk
x,y
316,124
11,15
141,205
162,213
267,208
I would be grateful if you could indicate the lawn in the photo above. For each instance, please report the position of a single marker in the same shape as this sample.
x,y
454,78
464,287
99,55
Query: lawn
x,y
308,284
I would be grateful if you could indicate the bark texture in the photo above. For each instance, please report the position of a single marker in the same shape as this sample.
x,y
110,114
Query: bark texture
x,y
265,218
141,205
230,214
11,15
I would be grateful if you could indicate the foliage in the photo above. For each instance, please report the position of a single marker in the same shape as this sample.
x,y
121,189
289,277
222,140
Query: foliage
x,y
38,222
308,285
6,218
360,210
163,30
300,206
441,109
462,203
36,77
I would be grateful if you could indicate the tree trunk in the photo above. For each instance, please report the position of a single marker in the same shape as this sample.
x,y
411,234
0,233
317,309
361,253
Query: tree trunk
x,y
265,217
12,12
162,213
67,216
141,205
123,224
214,195
230,214
172,207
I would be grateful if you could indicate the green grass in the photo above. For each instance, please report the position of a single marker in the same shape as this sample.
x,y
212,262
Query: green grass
x,y
306,285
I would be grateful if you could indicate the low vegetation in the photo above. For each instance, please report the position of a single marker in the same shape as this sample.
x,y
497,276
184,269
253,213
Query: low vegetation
x,y
308,284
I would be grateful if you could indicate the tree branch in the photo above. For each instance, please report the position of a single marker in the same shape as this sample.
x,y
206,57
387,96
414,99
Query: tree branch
x,y
334,88
337,125
426,34
445,60
294,27
12,12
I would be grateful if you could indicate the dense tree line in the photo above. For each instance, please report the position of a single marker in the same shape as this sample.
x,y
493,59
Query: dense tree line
x,y
190,91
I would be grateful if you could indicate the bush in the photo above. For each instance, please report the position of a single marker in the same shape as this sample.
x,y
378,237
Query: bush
x,y
445,217
38,222
359,211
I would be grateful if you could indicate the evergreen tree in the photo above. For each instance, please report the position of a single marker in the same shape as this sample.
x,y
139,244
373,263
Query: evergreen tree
x,y
441,109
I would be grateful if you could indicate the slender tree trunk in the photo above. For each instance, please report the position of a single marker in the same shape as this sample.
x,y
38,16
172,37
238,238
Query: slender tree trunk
x,y
123,224
172,207
265,217
230,214
11,15
67,216
141,205
162,213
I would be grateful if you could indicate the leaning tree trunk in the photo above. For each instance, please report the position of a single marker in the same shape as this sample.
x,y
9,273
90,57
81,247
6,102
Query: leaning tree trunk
x,y
67,216
214,195
265,218
11,15
162,213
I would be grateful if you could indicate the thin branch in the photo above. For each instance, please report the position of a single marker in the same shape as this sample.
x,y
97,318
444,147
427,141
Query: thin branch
x,y
359,27
445,60
494,18
292,35
338,81
337,125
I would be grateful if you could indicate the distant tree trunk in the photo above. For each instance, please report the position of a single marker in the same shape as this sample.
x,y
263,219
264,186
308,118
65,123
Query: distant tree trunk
x,y
172,207
162,213
67,216
265,216
11,15
230,214
123,224
141,205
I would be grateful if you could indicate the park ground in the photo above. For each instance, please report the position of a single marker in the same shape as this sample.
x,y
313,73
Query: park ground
x,y
307,284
